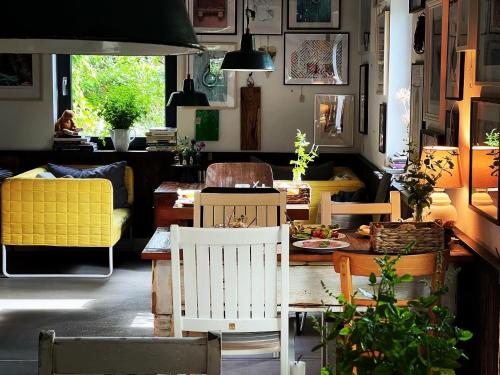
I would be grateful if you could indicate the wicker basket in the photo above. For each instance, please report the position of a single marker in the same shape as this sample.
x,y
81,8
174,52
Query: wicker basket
x,y
392,238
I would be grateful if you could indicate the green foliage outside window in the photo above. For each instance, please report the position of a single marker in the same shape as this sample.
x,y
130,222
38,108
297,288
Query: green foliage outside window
x,y
93,77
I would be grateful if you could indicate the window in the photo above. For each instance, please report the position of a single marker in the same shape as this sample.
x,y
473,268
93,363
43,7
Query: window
x,y
83,81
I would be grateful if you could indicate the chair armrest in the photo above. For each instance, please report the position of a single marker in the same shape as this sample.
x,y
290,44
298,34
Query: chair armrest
x,y
57,212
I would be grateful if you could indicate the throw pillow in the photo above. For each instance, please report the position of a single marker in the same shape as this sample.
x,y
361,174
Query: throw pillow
x,y
45,175
114,172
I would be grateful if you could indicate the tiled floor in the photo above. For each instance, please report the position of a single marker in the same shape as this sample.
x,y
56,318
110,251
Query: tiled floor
x,y
118,306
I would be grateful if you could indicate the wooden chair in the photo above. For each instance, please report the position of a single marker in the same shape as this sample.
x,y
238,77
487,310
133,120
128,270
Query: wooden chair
x,y
266,206
230,284
329,208
128,355
230,174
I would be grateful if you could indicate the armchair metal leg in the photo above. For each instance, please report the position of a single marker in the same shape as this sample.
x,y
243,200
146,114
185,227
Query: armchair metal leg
x,y
65,275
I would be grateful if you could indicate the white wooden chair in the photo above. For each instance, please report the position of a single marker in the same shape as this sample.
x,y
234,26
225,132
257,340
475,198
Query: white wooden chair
x,y
329,208
267,207
128,355
230,285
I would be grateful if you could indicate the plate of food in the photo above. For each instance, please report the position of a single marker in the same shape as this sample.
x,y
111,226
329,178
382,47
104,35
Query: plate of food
x,y
364,230
321,245
308,231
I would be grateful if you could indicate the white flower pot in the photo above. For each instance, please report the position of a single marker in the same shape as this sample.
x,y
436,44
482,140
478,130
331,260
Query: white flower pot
x,y
121,139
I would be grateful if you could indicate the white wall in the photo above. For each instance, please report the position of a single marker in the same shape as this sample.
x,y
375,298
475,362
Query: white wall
x,y
29,124
282,113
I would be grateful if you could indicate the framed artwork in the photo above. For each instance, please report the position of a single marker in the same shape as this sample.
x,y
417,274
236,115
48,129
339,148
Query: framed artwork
x,y
213,16
432,77
364,26
451,128
314,14
466,24
382,52
484,173
416,105
363,98
218,85
488,51
416,5
268,17
382,128
20,76
312,59
333,120
206,124
455,61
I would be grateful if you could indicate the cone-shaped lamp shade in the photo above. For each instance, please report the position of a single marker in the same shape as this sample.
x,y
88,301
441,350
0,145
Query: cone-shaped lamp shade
x,y
483,160
97,27
188,97
247,58
453,179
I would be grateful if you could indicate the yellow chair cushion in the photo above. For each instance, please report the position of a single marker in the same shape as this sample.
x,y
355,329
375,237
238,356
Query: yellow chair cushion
x,y
119,222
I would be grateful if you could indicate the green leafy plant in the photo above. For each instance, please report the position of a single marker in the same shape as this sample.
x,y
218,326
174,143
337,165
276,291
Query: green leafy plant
x,y
122,107
420,177
493,138
303,157
390,339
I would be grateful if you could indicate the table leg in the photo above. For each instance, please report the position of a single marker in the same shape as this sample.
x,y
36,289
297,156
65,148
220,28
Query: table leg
x,y
161,297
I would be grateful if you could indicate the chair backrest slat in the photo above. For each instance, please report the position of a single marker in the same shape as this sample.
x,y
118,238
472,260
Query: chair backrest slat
x,y
231,282
190,283
244,287
217,282
203,281
258,281
270,292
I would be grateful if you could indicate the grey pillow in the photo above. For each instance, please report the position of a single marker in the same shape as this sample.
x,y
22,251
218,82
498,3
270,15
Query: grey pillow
x,y
113,172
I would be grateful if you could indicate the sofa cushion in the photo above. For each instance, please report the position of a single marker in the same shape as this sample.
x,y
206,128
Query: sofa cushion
x,y
114,172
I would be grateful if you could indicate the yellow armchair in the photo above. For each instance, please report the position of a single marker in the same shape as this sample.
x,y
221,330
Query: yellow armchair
x,y
67,212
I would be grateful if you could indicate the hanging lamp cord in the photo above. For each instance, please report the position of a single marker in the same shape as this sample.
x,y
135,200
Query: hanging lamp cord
x,y
249,13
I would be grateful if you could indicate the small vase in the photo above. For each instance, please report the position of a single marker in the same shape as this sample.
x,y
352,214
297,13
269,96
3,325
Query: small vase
x,y
297,176
121,139
418,214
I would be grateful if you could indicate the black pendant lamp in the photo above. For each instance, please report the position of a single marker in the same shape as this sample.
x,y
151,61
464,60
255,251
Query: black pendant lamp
x,y
188,97
247,58
110,27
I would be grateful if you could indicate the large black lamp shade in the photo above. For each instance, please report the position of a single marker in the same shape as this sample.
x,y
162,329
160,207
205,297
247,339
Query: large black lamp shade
x,y
155,27
188,97
247,58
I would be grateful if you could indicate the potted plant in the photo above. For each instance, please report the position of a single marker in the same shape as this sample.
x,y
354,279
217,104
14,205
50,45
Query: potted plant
x,y
121,108
391,339
303,157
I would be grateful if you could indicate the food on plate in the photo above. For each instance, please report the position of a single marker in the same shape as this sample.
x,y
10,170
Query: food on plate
x,y
307,231
314,244
364,230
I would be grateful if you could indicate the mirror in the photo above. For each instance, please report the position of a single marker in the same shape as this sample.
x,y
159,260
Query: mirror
x,y
484,157
333,120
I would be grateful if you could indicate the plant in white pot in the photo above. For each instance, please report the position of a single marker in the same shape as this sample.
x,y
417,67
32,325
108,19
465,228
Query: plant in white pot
x,y
121,108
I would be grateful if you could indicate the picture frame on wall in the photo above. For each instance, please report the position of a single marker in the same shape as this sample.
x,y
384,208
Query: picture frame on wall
x,y
316,59
382,51
21,76
451,128
455,61
218,85
268,17
432,77
416,104
334,120
314,14
466,25
382,128
416,5
213,16
488,48
364,26
363,98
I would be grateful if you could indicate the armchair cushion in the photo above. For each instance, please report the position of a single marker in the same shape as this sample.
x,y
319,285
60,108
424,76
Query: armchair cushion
x,y
114,172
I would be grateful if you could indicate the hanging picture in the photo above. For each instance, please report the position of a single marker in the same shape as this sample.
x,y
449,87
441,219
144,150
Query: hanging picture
x,y
416,5
382,28
454,60
363,98
20,76
213,16
314,14
268,17
432,78
382,128
416,106
218,85
206,124
488,51
364,26
451,128
316,59
333,120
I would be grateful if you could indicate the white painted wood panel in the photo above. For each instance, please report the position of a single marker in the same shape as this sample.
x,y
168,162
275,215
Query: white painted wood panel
x,y
270,276
190,284
217,282
244,282
257,254
203,281
230,282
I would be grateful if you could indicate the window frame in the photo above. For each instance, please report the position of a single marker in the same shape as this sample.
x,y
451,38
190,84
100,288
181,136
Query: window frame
x,y
64,97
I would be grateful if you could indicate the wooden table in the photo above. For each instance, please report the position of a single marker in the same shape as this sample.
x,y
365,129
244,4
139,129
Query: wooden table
x,y
166,214
307,270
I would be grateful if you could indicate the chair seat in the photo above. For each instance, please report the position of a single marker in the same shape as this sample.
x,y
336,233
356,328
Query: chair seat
x,y
119,221
250,343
